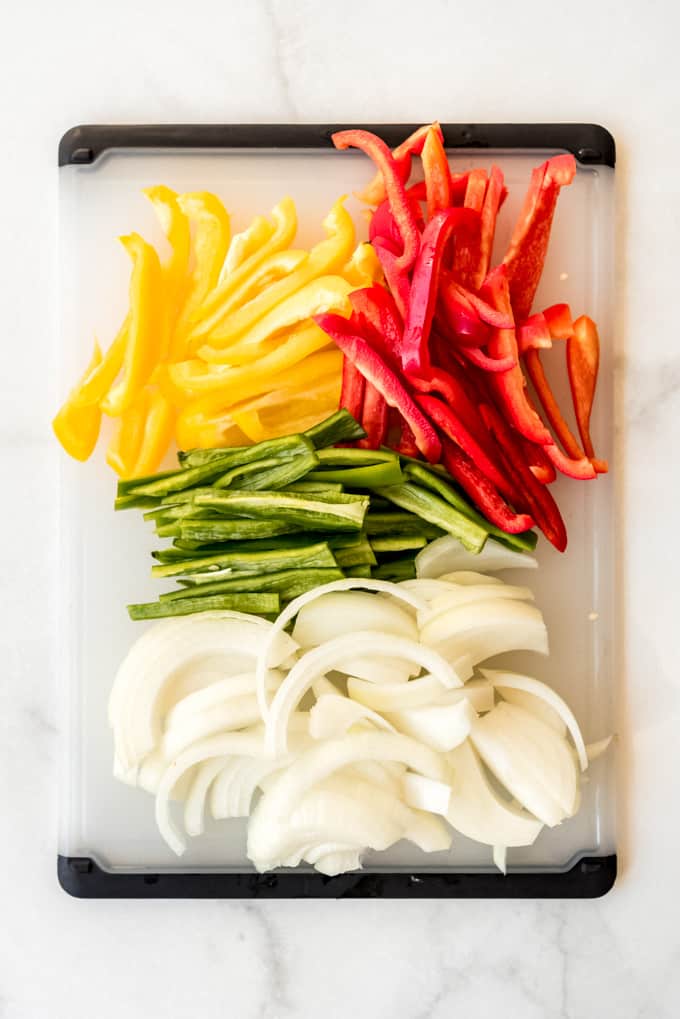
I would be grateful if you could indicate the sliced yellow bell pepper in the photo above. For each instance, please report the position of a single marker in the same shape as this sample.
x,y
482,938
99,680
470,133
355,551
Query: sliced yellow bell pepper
x,y
235,384
328,293
96,383
364,267
211,241
77,425
249,423
325,257
244,244
285,220
157,434
144,337
125,445
176,227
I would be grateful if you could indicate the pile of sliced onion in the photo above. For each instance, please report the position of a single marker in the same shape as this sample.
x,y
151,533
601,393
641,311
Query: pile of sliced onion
x,y
367,725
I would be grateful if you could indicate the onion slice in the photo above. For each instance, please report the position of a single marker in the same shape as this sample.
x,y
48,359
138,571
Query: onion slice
x,y
512,681
483,629
441,727
444,555
426,794
333,716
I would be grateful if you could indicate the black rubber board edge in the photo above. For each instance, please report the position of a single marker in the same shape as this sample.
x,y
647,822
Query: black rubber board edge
x,y
590,878
589,143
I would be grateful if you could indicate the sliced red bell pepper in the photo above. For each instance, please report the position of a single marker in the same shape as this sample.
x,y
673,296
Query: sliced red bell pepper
x,y
373,419
383,226
492,202
437,174
457,188
529,242
380,375
374,194
352,392
581,469
397,279
376,308
401,206
451,425
406,442
583,361
539,501
559,320
532,361
466,257
482,492
463,324
425,285
533,333
486,313
481,360
539,463
509,385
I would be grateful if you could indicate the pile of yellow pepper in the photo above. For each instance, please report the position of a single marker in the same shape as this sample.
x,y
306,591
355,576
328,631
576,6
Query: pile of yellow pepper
x,y
218,347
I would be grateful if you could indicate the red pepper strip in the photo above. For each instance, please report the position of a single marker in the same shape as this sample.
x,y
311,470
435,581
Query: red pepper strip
x,y
540,502
401,207
406,443
559,320
383,227
581,469
496,365
532,361
375,307
437,174
457,188
448,422
461,322
492,201
539,463
374,194
533,333
375,371
425,286
485,312
467,254
529,242
397,279
373,419
352,392
509,385
482,492
583,361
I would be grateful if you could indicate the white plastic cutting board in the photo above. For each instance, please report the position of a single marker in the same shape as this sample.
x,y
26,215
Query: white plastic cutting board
x,y
105,555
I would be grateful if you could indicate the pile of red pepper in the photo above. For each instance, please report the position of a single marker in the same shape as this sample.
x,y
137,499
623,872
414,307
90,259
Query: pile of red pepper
x,y
435,362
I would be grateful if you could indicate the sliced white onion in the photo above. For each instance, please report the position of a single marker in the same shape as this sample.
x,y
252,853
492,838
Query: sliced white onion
x,y
485,629
234,787
467,594
470,577
232,637
236,743
234,713
322,659
194,807
427,588
341,862
378,670
332,716
426,794
478,812
595,750
536,706
264,659
218,693
342,612
441,727
529,758
506,681
323,686
500,858
428,832
386,774
419,693
445,555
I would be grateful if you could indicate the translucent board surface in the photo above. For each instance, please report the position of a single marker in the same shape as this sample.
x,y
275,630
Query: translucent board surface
x,y
105,556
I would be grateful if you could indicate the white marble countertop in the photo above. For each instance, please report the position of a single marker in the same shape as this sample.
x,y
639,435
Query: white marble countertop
x,y
73,62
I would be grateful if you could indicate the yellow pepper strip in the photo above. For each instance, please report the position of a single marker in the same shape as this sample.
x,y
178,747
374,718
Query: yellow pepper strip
x,y
176,227
77,425
364,267
285,226
233,384
126,442
206,427
175,396
96,383
326,257
211,240
146,325
328,293
274,268
249,423
157,434
243,245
